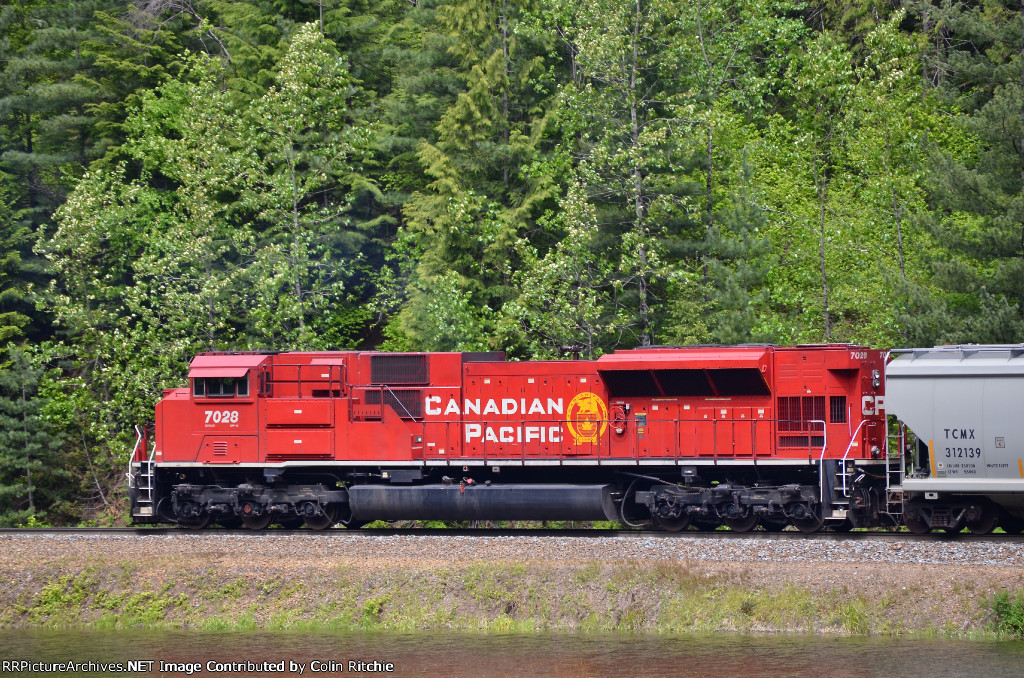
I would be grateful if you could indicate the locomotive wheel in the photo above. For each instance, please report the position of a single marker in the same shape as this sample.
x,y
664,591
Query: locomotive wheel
x,y
324,520
916,525
344,517
986,522
808,525
253,522
195,522
674,524
744,524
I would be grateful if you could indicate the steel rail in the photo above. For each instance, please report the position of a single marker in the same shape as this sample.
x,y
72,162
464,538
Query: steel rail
x,y
961,537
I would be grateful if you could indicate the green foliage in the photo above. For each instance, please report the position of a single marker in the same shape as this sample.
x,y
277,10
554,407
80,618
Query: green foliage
x,y
465,223
978,186
1009,614
306,252
31,470
15,237
471,174
565,295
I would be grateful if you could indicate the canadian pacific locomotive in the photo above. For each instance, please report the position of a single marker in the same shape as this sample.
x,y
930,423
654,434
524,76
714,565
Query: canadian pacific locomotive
x,y
667,437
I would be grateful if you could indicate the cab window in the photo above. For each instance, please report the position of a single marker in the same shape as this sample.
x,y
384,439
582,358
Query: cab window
x,y
220,387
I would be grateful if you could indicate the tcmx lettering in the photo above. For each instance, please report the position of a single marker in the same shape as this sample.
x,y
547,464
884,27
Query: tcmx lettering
x,y
960,433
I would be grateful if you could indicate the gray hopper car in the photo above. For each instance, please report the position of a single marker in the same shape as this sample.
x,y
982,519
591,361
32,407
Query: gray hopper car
x,y
962,443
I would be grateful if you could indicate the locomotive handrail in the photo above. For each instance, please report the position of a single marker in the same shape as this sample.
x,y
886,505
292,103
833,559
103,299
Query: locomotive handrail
x,y
824,436
341,379
849,446
140,433
135,450
810,438
133,454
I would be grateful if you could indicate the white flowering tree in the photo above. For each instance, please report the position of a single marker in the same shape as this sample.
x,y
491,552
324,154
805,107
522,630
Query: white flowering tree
x,y
307,247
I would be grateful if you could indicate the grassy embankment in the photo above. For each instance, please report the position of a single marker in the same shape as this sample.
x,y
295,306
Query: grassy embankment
x,y
640,597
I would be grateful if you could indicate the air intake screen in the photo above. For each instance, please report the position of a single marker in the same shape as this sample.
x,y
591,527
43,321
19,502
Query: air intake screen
x,y
399,369
407,403
801,413
804,415
837,408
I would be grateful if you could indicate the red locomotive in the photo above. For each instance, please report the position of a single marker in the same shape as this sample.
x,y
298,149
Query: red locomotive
x,y
709,435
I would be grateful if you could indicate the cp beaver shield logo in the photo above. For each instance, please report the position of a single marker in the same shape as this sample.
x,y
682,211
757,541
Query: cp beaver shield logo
x,y
586,418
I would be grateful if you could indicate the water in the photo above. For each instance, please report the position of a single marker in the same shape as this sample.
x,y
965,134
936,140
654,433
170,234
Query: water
x,y
510,656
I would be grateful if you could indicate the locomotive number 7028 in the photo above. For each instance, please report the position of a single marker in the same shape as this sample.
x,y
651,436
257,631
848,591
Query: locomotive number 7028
x,y
222,416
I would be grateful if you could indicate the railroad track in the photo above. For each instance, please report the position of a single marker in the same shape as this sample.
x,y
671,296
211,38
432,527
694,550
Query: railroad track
x,y
962,537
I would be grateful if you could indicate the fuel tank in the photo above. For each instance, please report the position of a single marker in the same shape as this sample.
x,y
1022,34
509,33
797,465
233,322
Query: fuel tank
x,y
483,502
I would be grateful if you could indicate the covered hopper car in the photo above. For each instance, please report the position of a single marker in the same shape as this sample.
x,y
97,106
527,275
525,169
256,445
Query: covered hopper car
x,y
668,437
961,452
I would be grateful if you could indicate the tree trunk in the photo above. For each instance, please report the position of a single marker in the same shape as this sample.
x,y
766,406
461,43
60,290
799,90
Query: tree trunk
x,y
638,191
1020,157
209,306
708,204
899,231
296,240
28,458
821,187
708,209
504,93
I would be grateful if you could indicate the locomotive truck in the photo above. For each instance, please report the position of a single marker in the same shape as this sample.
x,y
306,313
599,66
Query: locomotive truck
x,y
665,437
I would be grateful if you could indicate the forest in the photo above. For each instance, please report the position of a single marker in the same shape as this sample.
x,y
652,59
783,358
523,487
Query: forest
x,y
538,177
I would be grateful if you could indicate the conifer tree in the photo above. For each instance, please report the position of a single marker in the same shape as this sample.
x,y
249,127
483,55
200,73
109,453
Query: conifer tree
x,y
627,144
466,221
736,262
48,128
31,471
15,238
980,194
131,53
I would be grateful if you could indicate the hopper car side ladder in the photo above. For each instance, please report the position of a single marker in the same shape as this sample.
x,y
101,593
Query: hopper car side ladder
x,y
895,461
